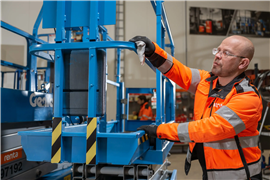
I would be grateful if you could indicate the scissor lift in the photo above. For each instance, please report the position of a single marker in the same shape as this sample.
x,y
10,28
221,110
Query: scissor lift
x,y
97,149
23,109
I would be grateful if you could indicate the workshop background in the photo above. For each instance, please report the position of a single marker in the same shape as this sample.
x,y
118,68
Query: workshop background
x,y
138,18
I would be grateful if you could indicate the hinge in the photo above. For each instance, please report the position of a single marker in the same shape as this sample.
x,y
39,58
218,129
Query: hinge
x,y
123,116
124,101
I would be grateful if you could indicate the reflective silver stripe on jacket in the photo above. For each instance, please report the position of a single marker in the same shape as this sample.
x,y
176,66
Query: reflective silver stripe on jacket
x,y
232,118
165,67
245,85
230,144
182,131
148,117
196,78
239,174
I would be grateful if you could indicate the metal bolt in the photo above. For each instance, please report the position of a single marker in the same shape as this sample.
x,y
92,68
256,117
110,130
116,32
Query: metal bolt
x,y
161,172
58,56
91,85
38,173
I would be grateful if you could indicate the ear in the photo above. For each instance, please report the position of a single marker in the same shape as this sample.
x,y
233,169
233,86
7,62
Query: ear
x,y
244,63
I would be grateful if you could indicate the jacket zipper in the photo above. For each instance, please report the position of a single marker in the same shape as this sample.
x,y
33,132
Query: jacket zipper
x,y
210,89
211,105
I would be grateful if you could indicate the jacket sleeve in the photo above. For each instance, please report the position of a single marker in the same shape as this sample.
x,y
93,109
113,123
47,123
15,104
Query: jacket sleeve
x,y
187,78
238,116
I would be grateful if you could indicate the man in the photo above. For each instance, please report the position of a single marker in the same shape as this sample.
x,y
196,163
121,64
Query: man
x,y
224,136
145,110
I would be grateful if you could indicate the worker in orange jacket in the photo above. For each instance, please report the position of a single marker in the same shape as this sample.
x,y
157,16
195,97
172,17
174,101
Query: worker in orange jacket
x,y
227,108
145,112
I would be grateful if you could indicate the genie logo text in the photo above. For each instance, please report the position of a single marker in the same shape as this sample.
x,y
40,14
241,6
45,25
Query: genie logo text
x,y
41,100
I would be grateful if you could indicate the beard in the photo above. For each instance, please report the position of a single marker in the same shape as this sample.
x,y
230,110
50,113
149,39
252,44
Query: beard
x,y
219,70
216,70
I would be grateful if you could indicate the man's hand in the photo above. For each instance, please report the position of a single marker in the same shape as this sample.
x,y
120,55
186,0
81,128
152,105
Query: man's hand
x,y
151,130
149,48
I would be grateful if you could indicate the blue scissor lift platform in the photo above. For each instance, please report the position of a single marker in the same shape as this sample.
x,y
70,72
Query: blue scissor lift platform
x,y
98,148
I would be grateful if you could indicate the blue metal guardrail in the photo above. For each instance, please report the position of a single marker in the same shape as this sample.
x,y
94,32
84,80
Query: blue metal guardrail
x,y
28,108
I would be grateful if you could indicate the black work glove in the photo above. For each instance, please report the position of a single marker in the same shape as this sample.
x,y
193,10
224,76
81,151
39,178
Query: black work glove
x,y
151,130
149,46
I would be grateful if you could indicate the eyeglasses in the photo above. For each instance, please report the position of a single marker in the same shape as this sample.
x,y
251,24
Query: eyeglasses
x,y
224,53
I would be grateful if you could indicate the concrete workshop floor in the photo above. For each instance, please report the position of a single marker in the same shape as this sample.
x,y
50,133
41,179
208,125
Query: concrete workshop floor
x,y
195,173
178,163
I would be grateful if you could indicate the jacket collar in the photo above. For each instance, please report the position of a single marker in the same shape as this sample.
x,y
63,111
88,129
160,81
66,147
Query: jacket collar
x,y
223,91
212,77
144,104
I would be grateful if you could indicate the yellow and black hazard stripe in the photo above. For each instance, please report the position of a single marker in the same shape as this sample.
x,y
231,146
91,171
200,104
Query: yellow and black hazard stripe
x,y
56,139
91,141
142,139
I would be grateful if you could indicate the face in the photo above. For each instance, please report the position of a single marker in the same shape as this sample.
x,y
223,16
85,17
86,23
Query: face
x,y
227,66
139,101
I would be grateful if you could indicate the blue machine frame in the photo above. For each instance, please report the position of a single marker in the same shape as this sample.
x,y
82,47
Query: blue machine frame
x,y
112,143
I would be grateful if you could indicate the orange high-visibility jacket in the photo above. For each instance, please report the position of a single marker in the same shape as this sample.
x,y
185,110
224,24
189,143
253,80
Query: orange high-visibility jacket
x,y
224,135
145,112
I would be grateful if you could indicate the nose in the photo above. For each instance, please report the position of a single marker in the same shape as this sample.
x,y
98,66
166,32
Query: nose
x,y
219,54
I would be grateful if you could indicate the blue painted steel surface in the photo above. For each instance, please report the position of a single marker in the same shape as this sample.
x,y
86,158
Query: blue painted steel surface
x,y
111,126
159,82
20,32
92,85
83,46
155,156
93,20
165,23
58,83
170,101
13,65
111,146
85,37
107,12
37,23
174,175
32,69
77,13
60,20
140,90
63,174
34,106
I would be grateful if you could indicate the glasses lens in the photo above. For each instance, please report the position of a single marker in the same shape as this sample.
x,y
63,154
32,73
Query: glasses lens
x,y
214,51
226,54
